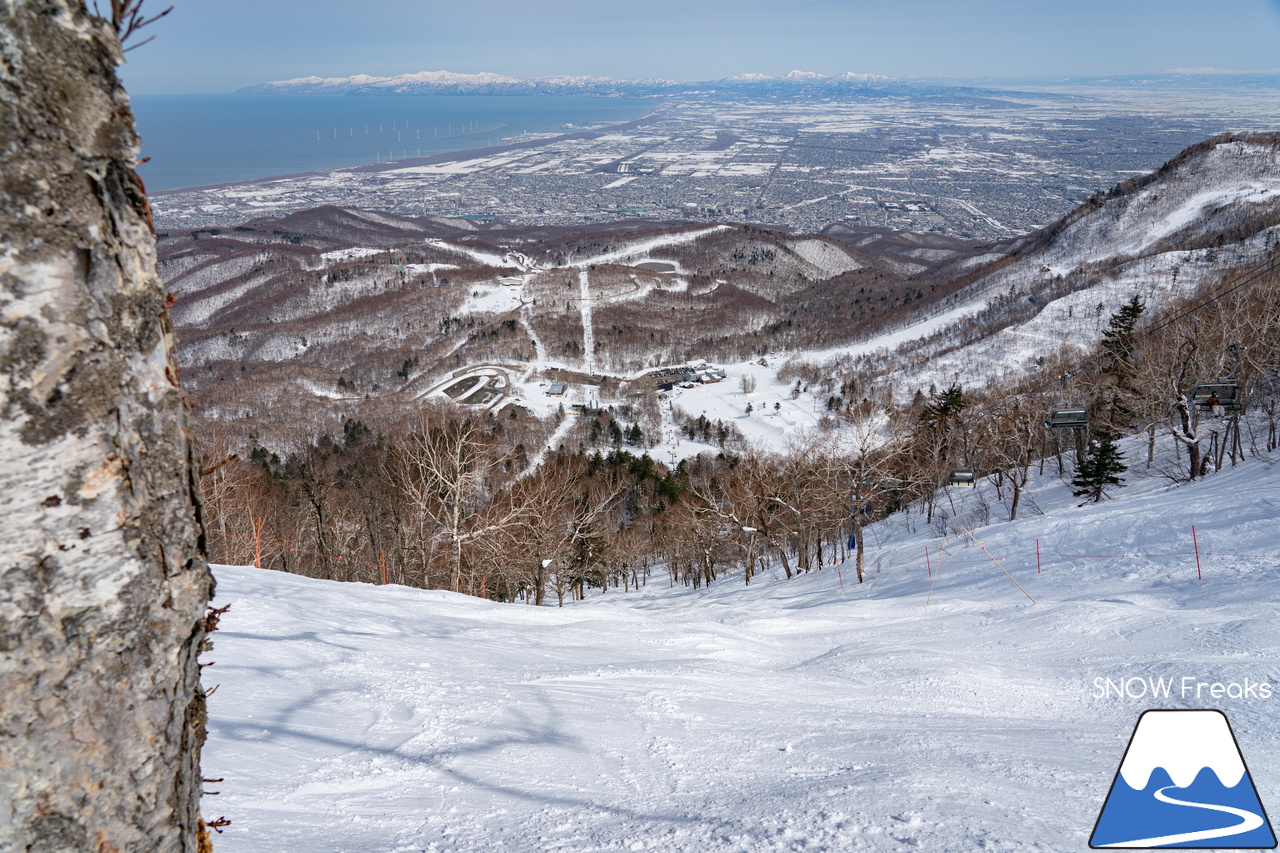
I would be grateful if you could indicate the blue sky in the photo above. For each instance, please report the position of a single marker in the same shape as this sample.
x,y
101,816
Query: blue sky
x,y
220,45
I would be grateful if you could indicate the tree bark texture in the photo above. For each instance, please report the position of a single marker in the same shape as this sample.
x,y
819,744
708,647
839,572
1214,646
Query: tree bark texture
x,y
103,577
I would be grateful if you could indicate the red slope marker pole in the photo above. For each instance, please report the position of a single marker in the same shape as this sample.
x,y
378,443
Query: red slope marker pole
x,y
1196,545
383,552
257,546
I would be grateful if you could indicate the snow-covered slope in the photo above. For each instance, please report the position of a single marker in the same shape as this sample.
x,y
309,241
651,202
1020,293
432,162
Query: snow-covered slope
x,y
943,713
1224,183
277,291
828,257
1213,207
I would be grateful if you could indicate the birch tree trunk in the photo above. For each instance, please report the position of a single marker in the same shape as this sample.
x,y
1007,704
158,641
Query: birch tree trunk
x,y
103,581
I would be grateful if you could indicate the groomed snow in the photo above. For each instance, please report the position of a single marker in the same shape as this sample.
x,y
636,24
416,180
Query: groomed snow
x,y
491,298
641,248
781,716
825,256
487,258
775,420
351,254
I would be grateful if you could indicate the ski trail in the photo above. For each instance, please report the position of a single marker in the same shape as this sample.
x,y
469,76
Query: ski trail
x,y
556,437
668,422
1248,822
540,351
646,246
588,331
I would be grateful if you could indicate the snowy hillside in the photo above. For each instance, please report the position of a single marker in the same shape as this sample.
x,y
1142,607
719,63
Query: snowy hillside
x,y
312,293
1160,236
911,712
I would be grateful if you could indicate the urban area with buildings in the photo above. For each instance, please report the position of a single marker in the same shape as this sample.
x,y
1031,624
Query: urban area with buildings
x,y
980,168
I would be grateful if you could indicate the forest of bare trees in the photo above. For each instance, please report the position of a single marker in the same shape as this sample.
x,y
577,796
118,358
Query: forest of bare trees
x,y
450,500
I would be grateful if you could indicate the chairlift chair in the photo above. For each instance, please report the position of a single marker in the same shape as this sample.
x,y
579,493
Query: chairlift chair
x,y
962,477
882,484
1067,416
1226,388
1228,394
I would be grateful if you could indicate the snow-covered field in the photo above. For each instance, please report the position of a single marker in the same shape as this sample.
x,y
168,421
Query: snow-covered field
x,y
901,714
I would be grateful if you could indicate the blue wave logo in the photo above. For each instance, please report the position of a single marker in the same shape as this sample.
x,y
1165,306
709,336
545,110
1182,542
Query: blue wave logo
x,y
1183,784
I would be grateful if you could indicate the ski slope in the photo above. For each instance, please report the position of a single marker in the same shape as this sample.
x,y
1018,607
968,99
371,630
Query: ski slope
x,y
906,713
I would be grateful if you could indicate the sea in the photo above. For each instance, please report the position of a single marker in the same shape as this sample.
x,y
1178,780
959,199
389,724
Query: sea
x,y
195,140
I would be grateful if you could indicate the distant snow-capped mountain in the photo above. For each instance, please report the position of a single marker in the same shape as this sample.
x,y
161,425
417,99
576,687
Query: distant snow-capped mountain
x,y
810,78
851,77
487,83
803,76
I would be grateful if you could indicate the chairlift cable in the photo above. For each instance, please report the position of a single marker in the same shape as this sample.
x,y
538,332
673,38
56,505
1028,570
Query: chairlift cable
x,y
1245,279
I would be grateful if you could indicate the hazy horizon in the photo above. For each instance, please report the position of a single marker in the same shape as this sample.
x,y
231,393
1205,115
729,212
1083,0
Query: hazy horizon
x,y
206,47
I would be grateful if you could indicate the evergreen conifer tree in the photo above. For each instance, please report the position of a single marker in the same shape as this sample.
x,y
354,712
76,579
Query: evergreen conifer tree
x,y
944,407
1101,468
1117,343
1117,340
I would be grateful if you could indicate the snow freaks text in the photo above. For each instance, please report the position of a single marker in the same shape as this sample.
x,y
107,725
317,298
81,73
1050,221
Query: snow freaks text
x,y
1186,687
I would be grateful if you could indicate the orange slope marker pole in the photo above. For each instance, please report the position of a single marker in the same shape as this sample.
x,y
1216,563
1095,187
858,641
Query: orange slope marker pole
x,y
997,562
937,570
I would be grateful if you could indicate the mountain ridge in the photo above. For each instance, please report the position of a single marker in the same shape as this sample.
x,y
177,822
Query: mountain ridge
x,y
890,306
796,81
488,83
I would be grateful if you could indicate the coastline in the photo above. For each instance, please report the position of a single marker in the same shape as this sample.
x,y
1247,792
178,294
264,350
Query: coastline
x,y
445,157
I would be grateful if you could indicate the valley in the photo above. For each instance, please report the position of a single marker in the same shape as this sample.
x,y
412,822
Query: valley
x,y
793,461
372,306
675,375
